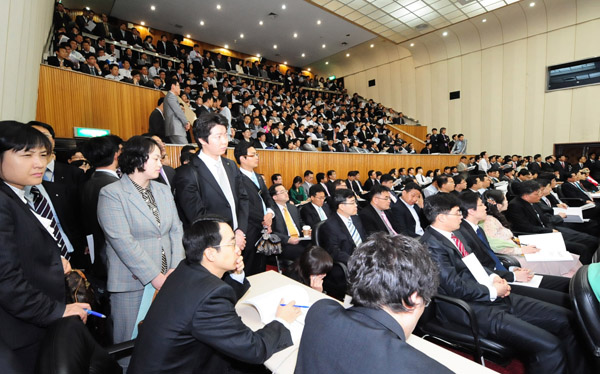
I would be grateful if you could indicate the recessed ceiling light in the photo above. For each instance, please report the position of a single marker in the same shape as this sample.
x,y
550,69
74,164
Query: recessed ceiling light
x,y
142,23
372,45
260,23
445,33
152,7
285,62
326,62
347,54
303,55
412,44
532,4
201,23
318,22
87,8
242,36
283,6
274,46
188,36
323,46
218,6
308,69
484,20
295,35
226,46
258,55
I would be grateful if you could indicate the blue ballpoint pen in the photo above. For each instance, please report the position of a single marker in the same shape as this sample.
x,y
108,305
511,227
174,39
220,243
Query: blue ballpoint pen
x,y
95,314
297,306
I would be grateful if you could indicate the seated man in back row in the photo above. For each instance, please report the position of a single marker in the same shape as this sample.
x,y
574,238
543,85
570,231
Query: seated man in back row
x,y
392,279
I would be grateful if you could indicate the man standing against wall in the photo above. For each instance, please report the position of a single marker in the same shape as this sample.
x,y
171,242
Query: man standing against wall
x,y
176,124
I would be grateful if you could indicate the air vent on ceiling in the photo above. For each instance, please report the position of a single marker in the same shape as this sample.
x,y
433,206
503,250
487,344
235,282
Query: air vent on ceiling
x,y
464,2
273,15
421,27
178,26
344,43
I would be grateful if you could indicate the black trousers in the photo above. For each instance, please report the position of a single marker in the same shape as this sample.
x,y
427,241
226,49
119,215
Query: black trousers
x,y
553,290
542,331
579,243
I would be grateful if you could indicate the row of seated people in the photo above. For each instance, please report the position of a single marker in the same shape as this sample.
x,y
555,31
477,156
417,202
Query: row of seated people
x,y
191,59
271,117
135,258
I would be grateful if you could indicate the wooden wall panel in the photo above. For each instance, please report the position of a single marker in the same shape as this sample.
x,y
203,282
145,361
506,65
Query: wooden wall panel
x,y
68,99
292,163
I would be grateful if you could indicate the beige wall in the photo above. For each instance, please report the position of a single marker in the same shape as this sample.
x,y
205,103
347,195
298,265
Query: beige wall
x,y
24,28
499,67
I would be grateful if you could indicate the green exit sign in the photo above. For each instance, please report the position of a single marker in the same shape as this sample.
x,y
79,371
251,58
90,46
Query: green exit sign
x,y
331,78
86,132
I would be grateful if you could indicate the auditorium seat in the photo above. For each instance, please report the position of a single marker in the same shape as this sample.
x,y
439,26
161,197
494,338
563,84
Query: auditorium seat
x,y
587,310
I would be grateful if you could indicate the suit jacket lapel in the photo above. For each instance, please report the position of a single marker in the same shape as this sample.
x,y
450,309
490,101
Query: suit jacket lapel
x,y
136,198
206,176
447,242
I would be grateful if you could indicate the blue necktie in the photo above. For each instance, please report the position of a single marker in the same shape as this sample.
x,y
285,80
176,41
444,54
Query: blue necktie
x,y
499,265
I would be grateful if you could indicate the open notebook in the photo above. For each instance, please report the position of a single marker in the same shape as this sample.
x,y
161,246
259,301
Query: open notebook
x,y
266,304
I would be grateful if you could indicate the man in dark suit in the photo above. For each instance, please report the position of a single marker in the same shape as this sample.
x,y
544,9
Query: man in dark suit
x,y
214,339
123,35
371,181
377,216
32,271
552,289
287,224
536,165
407,210
261,206
211,184
156,122
207,103
572,188
61,59
317,210
91,66
525,216
344,232
331,177
544,331
563,167
102,153
163,45
102,29
331,332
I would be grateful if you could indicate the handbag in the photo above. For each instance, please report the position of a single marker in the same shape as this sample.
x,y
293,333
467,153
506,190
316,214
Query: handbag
x,y
79,289
268,244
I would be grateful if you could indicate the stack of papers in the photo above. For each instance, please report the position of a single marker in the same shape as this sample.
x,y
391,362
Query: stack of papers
x,y
552,247
574,214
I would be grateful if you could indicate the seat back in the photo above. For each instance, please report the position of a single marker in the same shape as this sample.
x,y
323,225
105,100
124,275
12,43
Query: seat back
x,y
317,235
586,308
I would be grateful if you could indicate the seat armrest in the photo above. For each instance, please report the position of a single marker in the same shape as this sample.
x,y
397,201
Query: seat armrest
x,y
508,260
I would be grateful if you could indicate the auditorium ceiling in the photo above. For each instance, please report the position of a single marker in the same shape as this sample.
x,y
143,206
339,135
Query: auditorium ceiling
x,y
402,20
287,31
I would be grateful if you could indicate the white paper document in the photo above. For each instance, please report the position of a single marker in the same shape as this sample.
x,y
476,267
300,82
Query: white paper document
x,y
574,214
90,243
477,270
267,304
552,247
534,282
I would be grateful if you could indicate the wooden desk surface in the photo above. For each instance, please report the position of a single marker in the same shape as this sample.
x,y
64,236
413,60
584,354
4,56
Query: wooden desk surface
x,y
284,362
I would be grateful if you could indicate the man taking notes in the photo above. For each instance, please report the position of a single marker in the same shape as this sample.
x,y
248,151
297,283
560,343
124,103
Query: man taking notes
x,y
192,325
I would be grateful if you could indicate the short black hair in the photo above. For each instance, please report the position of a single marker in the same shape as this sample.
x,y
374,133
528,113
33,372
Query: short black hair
x,y
468,200
100,151
330,173
205,123
441,180
387,269
241,150
386,178
44,125
525,187
340,196
274,177
438,204
412,186
273,189
315,189
472,180
377,189
201,234
307,173
320,177
135,153
523,172
16,136
313,261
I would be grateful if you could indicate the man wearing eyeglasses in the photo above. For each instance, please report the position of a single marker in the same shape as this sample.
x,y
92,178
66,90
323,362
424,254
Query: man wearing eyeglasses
x,y
345,232
377,216
260,212
287,224
542,331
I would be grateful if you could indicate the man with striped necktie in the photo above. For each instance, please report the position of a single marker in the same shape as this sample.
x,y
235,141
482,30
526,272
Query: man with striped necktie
x,y
344,232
